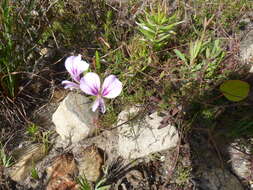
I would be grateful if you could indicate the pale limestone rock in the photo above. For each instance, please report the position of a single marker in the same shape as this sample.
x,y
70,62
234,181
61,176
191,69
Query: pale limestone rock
x,y
246,48
90,163
27,158
240,163
251,69
141,136
74,119
246,45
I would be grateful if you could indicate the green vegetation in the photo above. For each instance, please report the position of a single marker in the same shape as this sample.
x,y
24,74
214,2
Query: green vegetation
x,y
33,131
183,175
85,185
5,159
156,27
34,173
7,63
36,135
83,182
18,34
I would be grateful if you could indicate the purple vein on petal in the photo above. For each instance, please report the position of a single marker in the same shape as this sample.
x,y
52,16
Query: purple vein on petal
x,y
105,91
75,66
107,83
111,87
70,85
94,90
90,84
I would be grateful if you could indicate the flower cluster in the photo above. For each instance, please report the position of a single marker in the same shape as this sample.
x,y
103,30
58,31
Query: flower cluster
x,y
90,82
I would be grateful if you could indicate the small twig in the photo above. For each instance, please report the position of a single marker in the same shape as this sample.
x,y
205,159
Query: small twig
x,y
56,43
51,4
112,6
111,52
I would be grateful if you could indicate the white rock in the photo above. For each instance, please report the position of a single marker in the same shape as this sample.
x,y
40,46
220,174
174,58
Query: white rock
x,y
27,158
251,69
141,136
74,119
239,161
246,48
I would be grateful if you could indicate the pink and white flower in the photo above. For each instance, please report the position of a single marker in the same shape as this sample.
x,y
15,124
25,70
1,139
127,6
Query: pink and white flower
x,y
75,66
111,88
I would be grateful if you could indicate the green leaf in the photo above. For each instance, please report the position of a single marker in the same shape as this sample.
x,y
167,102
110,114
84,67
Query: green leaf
x,y
145,27
149,23
98,64
162,75
169,27
196,48
148,35
180,55
235,90
162,38
84,184
207,53
99,185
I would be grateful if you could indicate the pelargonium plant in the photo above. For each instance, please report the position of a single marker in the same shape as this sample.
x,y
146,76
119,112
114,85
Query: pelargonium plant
x,y
90,82
111,88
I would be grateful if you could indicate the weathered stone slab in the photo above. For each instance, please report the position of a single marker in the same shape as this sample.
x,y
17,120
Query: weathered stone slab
x,y
141,136
74,119
246,48
240,162
246,44
27,159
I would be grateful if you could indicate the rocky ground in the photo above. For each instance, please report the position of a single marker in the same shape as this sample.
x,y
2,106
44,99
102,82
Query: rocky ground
x,y
135,154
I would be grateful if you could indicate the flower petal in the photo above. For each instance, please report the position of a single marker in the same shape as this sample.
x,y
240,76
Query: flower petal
x,y
102,106
70,85
75,66
111,87
90,84
95,105
99,103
